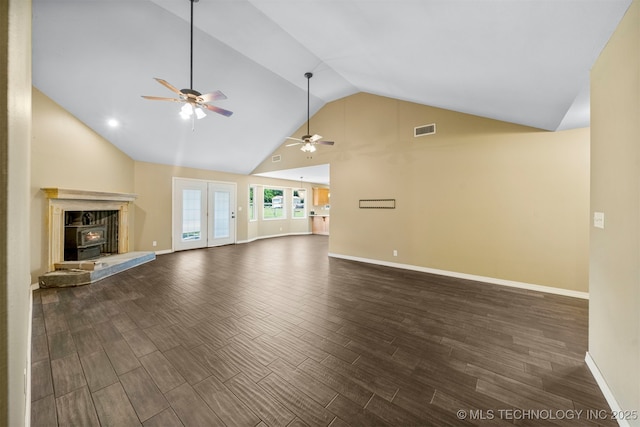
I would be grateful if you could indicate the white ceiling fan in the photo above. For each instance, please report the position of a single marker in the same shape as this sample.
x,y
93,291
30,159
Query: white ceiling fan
x,y
194,102
309,141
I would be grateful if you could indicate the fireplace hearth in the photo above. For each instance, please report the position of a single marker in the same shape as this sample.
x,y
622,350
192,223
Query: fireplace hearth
x,y
88,224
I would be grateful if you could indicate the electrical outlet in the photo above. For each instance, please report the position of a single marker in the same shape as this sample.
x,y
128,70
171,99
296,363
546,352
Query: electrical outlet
x,y
598,219
395,252
154,244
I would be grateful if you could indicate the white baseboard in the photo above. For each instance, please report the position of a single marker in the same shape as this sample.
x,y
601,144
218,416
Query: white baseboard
x,y
502,282
302,233
604,387
164,252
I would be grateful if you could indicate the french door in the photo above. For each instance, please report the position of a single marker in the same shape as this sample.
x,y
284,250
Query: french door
x,y
203,213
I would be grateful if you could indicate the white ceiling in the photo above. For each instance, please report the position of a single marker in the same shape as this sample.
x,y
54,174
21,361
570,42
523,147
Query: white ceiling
x,y
317,174
521,61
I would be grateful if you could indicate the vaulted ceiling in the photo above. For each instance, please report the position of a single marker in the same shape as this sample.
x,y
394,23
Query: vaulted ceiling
x,y
521,61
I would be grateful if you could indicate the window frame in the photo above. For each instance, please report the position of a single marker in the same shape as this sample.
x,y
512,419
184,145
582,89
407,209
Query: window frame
x,y
266,208
303,209
251,203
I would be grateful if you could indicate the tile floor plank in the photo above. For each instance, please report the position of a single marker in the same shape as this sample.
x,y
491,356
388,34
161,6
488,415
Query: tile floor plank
x,y
41,379
76,409
307,409
121,356
191,409
43,412
86,341
303,382
164,419
98,370
143,393
67,374
266,406
225,404
138,341
187,365
163,373
113,407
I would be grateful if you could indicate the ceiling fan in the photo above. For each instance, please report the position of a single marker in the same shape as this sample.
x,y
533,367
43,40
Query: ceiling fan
x,y
194,102
309,141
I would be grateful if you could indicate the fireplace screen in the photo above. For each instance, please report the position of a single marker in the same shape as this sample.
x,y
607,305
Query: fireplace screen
x,y
92,236
82,236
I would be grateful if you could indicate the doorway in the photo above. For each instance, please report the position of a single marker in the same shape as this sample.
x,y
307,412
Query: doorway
x,y
203,213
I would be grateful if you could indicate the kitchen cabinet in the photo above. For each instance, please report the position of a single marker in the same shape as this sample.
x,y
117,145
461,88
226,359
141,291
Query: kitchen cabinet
x,y
320,224
320,196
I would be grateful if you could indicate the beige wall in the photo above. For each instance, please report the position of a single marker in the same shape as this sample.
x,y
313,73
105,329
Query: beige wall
x,y
15,135
614,307
479,197
65,153
153,184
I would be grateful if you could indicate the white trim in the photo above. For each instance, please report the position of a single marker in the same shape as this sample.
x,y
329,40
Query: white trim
x,y
301,233
164,252
65,193
502,282
604,387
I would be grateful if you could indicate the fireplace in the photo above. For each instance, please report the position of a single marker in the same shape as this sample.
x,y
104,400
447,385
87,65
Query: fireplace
x,y
90,234
83,241
78,220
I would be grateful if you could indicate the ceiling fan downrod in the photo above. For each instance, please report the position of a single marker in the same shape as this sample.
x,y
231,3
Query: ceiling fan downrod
x,y
191,47
308,75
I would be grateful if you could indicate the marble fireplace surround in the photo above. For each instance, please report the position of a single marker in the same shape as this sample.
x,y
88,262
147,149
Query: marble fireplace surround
x,y
62,200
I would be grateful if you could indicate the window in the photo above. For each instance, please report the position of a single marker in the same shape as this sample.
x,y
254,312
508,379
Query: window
x,y
191,208
298,204
274,204
252,203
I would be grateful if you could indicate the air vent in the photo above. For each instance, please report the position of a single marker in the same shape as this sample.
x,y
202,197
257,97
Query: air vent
x,y
424,130
276,158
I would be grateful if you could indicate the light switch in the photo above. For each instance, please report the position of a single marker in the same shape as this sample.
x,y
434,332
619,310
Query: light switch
x,y
598,219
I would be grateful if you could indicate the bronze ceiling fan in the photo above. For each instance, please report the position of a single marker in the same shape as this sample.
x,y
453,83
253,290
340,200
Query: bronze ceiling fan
x,y
309,141
194,102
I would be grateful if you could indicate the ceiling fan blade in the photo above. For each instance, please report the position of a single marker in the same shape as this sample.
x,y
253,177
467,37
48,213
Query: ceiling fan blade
x,y
213,96
218,110
160,98
325,142
295,143
168,86
295,139
315,138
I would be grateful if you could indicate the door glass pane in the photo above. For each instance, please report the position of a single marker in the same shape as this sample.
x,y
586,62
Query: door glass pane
x,y
221,222
191,215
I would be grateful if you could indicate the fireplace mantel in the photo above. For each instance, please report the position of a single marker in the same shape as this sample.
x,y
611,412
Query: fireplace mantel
x,y
62,199
67,194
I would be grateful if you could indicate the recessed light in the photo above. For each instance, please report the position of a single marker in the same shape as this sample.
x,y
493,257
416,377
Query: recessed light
x,y
113,123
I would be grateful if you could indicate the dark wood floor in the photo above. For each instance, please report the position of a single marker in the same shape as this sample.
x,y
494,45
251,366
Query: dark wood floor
x,y
275,333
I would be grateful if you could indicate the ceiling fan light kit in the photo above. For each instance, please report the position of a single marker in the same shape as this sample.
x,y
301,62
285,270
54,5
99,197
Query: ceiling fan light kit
x,y
308,141
194,102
